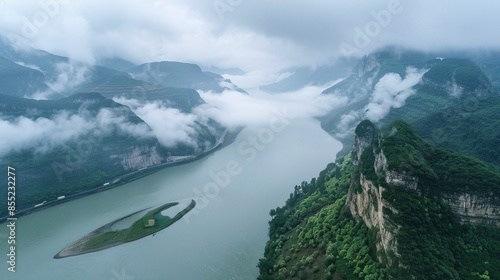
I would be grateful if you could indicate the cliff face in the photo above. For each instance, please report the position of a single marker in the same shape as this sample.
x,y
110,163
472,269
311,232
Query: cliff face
x,y
368,64
138,157
474,209
365,199
369,205
365,136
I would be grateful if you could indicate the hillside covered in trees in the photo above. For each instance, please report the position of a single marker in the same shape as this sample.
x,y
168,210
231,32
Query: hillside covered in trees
x,y
389,210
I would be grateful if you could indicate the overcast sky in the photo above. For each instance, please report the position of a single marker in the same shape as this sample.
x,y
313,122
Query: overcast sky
x,y
249,34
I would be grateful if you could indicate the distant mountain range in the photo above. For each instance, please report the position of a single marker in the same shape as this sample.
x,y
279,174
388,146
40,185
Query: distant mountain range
x,y
95,124
397,84
299,77
50,76
416,196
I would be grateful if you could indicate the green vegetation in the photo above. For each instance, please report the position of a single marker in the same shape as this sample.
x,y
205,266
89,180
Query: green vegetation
x,y
17,80
433,245
77,166
462,71
447,170
95,157
104,238
314,236
139,229
470,127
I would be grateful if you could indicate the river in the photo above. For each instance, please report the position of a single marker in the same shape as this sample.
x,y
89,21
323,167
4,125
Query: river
x,y
223,238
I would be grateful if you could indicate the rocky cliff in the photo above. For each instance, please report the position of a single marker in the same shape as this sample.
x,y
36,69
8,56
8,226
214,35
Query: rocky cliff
x,y
368,192
396,208
138,157
474,209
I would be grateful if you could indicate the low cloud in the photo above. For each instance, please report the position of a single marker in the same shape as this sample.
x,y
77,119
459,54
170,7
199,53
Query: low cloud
x,y
234,109
169,125
41,134
34,67
347,124
391,91
253,80
68,76
115,119
249,35
44,134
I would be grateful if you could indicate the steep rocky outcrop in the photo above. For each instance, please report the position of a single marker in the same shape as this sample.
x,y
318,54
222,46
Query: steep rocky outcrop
x,y
475,209
138,157
366,203
366,134
366,199
396,208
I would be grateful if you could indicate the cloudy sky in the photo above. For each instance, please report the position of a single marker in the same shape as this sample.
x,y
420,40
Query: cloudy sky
x,y
252,35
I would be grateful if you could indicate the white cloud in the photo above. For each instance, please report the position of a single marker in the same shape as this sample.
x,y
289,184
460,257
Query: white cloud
x,y
115,119
170,126
251,35
347,124
255,79
34,67
68,76
234,109
391,91
41,134
44,134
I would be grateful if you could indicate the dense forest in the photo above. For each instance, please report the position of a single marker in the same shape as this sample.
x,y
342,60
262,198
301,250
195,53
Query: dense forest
x,y
315,236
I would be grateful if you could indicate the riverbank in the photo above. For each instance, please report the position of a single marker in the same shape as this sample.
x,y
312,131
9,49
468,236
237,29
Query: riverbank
x,y
226,139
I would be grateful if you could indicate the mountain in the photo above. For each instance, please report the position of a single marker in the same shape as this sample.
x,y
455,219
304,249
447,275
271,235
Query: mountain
x,y
81,142
397,84
48,76
44,61
116,64
185,75
470,127
300,77
94,125
92,142
18,80
396,208
222,71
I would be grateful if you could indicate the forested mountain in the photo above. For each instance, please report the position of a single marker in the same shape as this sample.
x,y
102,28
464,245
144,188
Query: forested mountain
x,y
470,127
73,144
396,84
185,75
401,203
80,142
17,80
299,77
397,208
93,124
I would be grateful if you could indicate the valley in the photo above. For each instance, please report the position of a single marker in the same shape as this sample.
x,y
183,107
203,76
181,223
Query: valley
x,y
242,140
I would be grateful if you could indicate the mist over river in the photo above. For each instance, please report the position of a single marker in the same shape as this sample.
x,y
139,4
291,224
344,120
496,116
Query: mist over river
x,y
222,238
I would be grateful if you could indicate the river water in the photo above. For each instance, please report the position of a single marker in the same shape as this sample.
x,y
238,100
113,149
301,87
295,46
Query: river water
x,y
222,238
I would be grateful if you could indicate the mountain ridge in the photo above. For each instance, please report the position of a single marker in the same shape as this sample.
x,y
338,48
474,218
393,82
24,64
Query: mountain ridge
x,y
388,211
